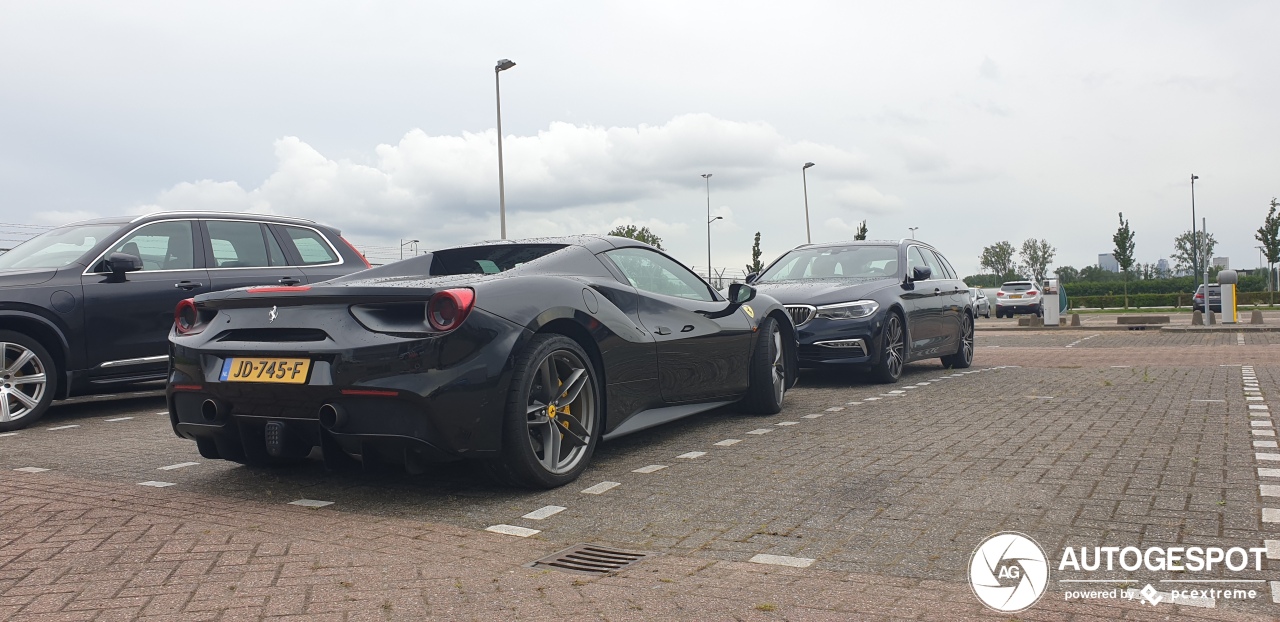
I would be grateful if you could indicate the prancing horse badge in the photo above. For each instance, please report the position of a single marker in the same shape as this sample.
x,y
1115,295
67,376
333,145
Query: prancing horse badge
x,y
272,315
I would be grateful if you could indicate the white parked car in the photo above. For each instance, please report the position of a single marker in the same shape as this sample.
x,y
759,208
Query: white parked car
x,y
1018,297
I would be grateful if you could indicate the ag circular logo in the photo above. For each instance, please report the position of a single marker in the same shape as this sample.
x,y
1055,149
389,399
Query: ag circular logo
x,y
1008,572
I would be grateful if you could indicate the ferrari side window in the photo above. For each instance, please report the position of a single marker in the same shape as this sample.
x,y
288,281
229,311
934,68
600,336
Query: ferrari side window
x,y
656,273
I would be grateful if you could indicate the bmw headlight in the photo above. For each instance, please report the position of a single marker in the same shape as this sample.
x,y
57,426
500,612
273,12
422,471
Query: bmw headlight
x,y
847,310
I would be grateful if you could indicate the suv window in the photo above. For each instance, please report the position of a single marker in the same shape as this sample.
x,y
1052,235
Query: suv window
x,y
161,245
656,273
56,248
1015,287
942,261
239,244
311,246
917,257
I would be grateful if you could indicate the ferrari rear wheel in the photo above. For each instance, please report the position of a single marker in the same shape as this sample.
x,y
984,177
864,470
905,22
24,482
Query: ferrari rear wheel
x,y
553,417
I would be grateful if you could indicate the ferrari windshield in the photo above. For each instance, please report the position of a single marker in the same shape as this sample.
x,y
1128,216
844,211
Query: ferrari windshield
x,y
488,259
834,262
56,248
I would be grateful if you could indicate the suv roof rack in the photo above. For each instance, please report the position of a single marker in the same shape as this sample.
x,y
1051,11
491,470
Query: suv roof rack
x,y
214,213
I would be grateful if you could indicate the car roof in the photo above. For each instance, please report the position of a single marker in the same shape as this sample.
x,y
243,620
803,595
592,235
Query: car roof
x,y
1017,283
214,214
592,242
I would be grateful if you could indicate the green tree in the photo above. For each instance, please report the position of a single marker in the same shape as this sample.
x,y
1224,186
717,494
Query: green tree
x,y
1067,274
1269,235
642,234
755,266
1036,257
1182,246
861,233
998,258
1123,253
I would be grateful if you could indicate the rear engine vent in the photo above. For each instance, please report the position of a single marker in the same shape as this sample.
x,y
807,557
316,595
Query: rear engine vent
x,y
274,335
591,559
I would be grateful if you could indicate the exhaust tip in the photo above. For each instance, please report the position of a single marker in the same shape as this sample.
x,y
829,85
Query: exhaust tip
x,y
210,410
332,416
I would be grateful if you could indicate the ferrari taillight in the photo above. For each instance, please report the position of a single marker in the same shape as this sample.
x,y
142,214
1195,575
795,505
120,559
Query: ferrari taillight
x,y
186,317
447,309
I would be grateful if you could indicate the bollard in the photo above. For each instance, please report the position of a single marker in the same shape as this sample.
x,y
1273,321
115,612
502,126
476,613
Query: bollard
x,y
1075,319
1197,318
1256,317
1212,319
1037,321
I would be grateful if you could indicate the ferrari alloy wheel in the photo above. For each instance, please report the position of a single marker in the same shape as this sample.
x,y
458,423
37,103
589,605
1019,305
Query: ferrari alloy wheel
x,y
768,375
553,415
893,351
963,357
27,379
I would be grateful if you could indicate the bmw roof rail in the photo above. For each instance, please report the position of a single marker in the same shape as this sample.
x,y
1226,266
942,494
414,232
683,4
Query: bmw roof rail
x,y
214,213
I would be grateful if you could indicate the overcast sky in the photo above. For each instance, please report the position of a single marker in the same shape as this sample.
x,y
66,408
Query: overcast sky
x,y
976,122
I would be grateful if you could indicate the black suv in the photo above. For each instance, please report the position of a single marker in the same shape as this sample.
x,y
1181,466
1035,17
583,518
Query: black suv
x,y
88,306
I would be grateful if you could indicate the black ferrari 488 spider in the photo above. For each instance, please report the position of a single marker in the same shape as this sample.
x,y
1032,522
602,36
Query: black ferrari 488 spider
x,y
522,355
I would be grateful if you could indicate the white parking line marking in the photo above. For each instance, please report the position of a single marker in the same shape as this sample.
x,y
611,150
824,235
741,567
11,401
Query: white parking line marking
x,y
62,427
1275,592
760,431
117,419
1264,432
890,394
31,469
853,403
786,423
1260,423
154,484
923,384
782,560
1269,490
1259,407
1258,399
1270,515
180,465
601,488
834,409
1268,472
544,512
694,454
310,503
8,434
1265,444
813,416
727,442
650,469
897,391
163,412
870,399
512,530
1262,456
1127,366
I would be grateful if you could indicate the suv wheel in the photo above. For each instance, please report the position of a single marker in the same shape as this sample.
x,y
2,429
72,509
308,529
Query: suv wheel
x,y
27,380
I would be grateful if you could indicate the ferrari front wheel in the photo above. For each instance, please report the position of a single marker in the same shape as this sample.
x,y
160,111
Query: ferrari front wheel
x,y
552,421
768,375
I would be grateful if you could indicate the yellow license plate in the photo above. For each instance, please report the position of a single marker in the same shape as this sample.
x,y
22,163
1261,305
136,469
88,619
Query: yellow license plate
x,y
1015,295
283,371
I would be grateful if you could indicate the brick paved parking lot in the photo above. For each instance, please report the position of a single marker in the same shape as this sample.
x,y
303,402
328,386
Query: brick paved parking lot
x,y
865,501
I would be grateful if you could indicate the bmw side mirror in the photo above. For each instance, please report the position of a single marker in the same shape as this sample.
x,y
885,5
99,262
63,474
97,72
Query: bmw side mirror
x,y
120,263
921,273
751,278
741,293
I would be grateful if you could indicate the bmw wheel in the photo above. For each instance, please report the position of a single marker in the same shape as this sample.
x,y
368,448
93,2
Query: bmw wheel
x,y
893,350
963,357
553,415
768,375
27,380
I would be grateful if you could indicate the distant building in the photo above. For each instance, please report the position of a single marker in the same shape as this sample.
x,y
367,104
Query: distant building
x,y
1222,263
1162,267
1108,262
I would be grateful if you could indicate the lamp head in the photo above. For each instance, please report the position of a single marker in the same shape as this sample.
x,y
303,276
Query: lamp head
x,y
504,64
1195,177
807,165
706,175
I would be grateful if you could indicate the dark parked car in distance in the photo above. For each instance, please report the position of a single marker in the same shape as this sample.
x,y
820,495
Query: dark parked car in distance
x,y
88,306
981,304
873,305
1215,298
519,355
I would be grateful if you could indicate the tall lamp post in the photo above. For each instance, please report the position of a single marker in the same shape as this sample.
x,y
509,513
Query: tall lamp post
x,y
503,65
804,178
1195,240
913,232
404,243
707,176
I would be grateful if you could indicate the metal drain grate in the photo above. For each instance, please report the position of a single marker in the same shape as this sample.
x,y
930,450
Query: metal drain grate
x,y
590,559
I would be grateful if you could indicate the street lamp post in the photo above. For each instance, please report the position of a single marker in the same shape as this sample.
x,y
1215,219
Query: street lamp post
x,y
913,232
503,65
804,178
1195,241
707,176
404,243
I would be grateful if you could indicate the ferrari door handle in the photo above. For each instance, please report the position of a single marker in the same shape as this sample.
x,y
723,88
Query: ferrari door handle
x,y
663,330
288,280
937,292
187,285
